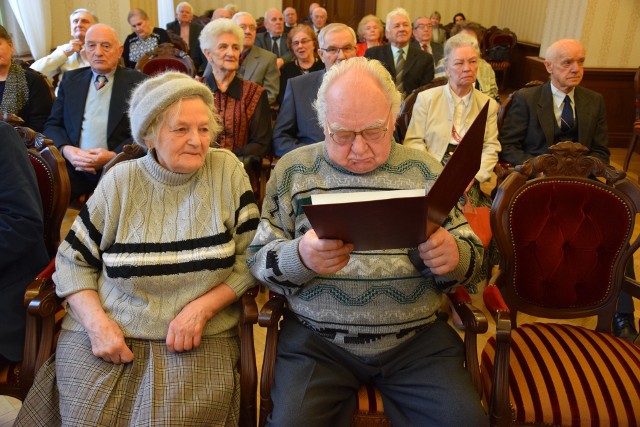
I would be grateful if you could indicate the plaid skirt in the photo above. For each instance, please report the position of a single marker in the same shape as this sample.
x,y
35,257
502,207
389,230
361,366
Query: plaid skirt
x,y
159,388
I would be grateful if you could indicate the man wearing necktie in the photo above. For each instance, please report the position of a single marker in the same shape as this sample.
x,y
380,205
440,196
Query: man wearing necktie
x,y
407,63
88,122
422,37
274,39
561,110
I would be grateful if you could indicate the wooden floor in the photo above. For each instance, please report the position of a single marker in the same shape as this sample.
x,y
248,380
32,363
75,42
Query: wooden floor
x,y
9,407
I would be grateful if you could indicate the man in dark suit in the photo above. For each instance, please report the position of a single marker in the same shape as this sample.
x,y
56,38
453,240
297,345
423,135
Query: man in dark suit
x,y
561,110
296,124
533,123
89,122
274,36
422,38
184,24
409,65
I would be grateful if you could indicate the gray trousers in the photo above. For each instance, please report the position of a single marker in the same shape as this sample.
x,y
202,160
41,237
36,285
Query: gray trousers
x,y
423,381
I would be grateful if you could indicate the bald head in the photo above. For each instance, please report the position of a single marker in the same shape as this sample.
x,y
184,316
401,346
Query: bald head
x,y
103,48
221,13
564,61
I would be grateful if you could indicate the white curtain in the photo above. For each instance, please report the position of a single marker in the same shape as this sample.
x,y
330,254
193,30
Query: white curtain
x,y
34,18
166,12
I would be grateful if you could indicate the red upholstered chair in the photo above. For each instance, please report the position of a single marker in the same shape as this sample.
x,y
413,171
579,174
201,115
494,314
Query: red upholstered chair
x,y
163,58
370,409
635,136
565,239
44,309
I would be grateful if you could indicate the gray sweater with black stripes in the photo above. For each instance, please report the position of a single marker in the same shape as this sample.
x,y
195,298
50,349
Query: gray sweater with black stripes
x,y
379,299
149,241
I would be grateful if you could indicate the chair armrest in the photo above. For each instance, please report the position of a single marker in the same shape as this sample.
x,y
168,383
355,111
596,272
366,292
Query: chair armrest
x,y
269,317
248,369
40,283
475,322
493,300
631,286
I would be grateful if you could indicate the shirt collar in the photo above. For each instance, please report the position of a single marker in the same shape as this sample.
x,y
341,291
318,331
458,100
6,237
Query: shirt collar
x,y
234,90
395,51
558,96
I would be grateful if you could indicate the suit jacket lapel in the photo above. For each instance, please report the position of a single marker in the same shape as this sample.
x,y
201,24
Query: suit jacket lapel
x,y
546,116
119,98
79,93
250,64
387,58
584,116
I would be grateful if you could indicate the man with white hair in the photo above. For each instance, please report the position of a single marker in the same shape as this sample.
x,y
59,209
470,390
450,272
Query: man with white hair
x,y
409,66
351,318
318,18
295,125
71,55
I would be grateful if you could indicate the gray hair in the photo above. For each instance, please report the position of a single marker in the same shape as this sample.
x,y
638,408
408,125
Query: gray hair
x,y
213,29
398,11
93,14
360,66
139,13
237,15
457,41
332,28
183,4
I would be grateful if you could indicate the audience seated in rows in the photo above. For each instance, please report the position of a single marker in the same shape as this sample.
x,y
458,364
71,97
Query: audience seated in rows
x,y
145,37
303,42
189,31
423,38
71,55
243,106
274,39
89,122
296,125
409,66
22,248
135,311
23,92
370,33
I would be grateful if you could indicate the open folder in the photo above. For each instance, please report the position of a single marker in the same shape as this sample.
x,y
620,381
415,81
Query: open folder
x,y
399,219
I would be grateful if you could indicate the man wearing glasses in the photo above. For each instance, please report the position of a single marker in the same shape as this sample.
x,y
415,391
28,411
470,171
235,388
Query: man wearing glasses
x,y
356,317
296,125
422,38
409,66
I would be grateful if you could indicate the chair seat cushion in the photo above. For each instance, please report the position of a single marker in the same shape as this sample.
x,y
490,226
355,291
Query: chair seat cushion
x,y
568,375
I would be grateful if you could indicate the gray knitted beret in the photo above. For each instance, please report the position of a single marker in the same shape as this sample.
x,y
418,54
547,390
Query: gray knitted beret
x,y
156,94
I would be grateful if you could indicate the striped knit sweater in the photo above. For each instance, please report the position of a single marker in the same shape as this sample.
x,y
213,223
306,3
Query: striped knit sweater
x,y
149,241
379,299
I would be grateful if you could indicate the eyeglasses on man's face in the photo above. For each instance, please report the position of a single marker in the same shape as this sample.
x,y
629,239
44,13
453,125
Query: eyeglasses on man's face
x,y
332,50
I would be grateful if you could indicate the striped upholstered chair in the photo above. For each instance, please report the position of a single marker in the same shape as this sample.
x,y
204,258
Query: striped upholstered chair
x,y
565,239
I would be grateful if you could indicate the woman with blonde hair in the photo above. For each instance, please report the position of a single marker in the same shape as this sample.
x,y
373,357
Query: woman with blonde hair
x,y
370,34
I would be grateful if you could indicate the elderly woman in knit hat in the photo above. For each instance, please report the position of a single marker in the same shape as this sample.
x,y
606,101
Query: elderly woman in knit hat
x,y
151,270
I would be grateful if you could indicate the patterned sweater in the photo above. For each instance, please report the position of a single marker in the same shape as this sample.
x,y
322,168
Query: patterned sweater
x,y
379,299
149,241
